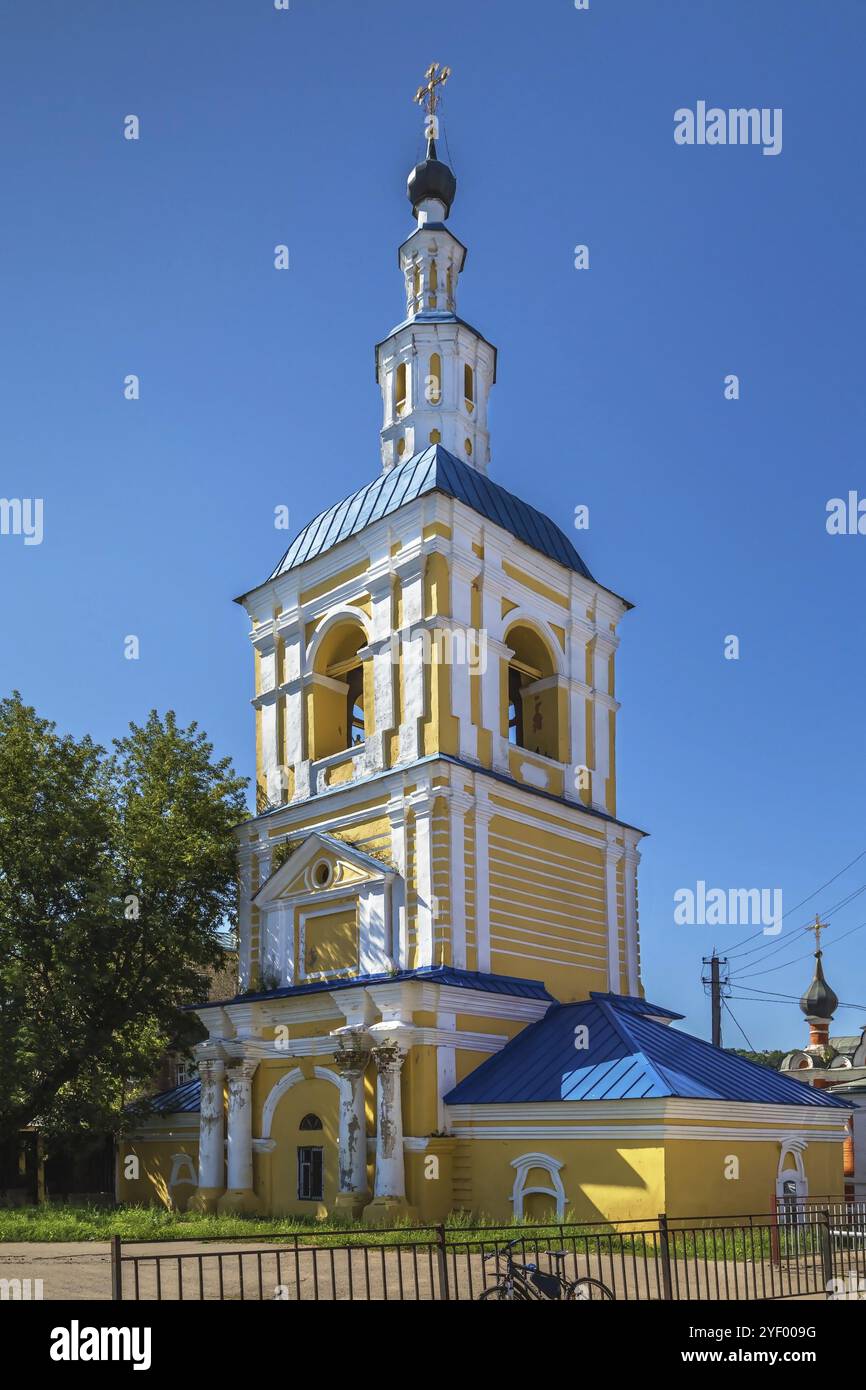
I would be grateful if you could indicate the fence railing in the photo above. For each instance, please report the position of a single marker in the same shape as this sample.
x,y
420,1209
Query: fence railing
x,y
793,1253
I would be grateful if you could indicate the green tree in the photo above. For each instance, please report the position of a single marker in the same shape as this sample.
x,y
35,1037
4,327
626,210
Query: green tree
x,y
772,1059
117,889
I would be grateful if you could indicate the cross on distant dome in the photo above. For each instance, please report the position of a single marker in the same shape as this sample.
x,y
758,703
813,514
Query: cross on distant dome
x,y
428,96
817,927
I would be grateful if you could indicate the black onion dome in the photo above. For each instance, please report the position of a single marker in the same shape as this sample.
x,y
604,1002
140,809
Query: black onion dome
x,y
819,1001
431,179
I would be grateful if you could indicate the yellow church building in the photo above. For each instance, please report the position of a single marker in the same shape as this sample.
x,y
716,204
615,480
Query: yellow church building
x,y
440,1004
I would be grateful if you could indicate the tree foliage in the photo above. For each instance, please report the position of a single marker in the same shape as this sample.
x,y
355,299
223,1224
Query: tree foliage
x,y
117,889
772,1058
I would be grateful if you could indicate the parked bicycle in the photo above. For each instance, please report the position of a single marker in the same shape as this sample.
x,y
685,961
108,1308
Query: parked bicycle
x,y
523,1283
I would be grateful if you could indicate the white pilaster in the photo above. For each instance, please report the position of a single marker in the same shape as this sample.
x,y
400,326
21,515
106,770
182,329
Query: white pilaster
x,y
463,572
382,652
413,647
459,804
399,922
421,803
483,815
613,854
632,859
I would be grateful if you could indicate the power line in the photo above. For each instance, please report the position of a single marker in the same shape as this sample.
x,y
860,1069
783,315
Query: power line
x,y
731,1012
772,994
837,907
800,904
751,974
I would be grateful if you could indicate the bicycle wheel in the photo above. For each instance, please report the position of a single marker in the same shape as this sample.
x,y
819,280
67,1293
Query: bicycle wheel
x,y
583,1290
501,1293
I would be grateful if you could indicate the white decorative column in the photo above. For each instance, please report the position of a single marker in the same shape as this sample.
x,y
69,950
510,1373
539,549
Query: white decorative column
x,y
413,647
578,694
290,629
399,923
604,704
240,1195
421,803
496,652
632,859
483,816
383,652
354,1194
463,572
211,1135
459,805
266,700
389,1199
613,854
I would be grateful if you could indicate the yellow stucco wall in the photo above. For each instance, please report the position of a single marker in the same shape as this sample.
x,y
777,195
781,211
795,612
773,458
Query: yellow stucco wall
x,y
154,1160
603,1180
735,1177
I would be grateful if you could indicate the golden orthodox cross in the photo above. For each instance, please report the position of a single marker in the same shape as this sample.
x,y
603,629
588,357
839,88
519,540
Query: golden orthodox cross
x,y
817,927
427,95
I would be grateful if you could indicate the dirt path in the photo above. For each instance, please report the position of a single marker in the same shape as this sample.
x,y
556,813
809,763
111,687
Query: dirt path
x,y
67,1269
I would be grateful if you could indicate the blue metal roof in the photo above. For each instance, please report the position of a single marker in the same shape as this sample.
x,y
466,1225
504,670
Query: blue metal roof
x,y
180,1098
511,985
434,470
634,1004
629,1057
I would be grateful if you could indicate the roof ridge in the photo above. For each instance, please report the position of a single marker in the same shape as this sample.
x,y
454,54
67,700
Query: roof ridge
x,y
620,1024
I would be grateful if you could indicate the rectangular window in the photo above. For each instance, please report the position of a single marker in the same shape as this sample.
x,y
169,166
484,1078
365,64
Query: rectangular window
x,y
311,1174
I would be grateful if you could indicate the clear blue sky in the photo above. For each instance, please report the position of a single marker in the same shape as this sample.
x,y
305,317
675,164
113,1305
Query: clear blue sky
x,y
259,127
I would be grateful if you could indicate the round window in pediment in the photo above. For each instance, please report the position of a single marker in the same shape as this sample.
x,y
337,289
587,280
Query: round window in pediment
x,y
323,874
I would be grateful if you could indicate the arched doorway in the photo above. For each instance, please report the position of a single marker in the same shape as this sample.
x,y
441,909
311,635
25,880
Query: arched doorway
x,y
302,1118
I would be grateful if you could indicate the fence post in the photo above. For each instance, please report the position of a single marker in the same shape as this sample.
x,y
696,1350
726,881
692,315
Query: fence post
x,y
116,1270
775,1252
826,1250
665,1252
444,1292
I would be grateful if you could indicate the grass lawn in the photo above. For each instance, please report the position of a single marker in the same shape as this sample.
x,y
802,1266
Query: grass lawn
x,y
57,1223
70,1223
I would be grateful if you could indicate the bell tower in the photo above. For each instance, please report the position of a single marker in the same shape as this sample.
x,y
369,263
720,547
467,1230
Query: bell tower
x,y
434,370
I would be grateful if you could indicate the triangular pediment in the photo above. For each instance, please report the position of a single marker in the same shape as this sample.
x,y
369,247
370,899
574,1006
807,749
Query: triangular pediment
x,y
322,864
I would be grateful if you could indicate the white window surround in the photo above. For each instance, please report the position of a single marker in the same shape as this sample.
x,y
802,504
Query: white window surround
x,y
337,903
792,1149
315,881
523,1166
285,1083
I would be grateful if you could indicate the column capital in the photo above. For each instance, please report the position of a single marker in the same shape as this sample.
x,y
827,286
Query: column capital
x,y
388,1056
209,1053
242,1072
352,1054
211,1068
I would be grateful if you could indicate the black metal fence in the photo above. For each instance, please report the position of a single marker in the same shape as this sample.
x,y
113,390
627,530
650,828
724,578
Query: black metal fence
x,y
793,1253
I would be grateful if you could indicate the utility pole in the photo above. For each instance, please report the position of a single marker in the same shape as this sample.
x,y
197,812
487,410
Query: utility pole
x,y
715,983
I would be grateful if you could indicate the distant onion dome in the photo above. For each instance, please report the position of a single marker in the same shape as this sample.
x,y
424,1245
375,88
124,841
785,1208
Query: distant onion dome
x,y
819,1001
431,179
